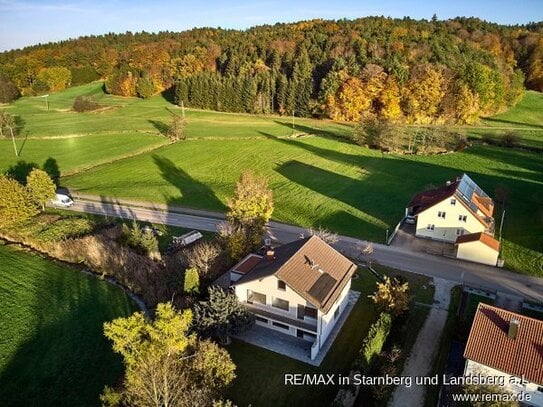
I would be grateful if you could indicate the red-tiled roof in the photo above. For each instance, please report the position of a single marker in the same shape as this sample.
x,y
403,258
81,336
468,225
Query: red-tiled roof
x,y
485,204
310,267
247,264
479,236
490,345
429,198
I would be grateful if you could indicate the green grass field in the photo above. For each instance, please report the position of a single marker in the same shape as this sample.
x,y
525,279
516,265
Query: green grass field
x,y
52,348
321,181
317,180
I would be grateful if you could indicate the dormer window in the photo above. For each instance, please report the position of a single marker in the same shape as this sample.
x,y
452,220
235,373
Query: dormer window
x,y
453,201
281,285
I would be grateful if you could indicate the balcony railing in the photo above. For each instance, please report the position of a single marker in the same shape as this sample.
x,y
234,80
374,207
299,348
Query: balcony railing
x,y
270,313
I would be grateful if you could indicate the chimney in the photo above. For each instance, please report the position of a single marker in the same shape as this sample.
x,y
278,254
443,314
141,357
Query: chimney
x,y
513,328
270,254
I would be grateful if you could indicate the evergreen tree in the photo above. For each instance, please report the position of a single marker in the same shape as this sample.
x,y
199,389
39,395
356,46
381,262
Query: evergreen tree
x,y
221,315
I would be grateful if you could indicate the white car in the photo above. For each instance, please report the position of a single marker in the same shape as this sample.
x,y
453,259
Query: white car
x,y
62,200
410,220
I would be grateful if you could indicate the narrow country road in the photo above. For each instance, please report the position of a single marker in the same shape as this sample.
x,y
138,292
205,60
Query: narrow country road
x,y
457,271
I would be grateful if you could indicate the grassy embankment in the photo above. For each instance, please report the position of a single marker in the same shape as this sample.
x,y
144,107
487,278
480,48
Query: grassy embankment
x,y
52,348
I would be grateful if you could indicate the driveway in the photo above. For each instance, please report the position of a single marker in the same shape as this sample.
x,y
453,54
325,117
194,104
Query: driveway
x,y
406,239
460,272
420,361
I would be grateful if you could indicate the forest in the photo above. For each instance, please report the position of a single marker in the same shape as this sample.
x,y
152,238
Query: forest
x,y
401,70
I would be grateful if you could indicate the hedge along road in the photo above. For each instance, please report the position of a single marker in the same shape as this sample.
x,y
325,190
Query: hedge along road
x,y
461,272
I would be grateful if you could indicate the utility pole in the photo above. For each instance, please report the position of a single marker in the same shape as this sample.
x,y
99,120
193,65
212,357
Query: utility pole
x,y
501,224
14,144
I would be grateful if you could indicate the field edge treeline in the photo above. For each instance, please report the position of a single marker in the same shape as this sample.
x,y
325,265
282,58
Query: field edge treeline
x,y
415,71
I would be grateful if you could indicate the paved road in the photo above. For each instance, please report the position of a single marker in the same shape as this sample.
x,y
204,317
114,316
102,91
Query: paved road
x,y
477,275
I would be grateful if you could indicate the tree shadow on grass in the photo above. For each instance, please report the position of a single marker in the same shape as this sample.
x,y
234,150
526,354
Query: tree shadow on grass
x,y
388,182
67,360
512,122
193,193
160,126
304,128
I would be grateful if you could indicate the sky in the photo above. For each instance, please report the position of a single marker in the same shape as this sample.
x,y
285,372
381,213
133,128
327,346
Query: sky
x,y
28,22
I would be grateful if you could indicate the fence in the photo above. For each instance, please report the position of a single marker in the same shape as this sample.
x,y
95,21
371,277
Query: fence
x,y
393,234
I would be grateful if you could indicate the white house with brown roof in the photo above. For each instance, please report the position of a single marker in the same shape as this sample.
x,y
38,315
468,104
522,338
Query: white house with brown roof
x,y
507,345
300,288
458,212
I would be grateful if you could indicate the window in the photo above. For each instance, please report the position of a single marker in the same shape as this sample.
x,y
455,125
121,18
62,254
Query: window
x,y
462,218
441,214
260,319
453,201
540,389
300,333
254,297
430,227
279,303
310,312
459,232
281,285
279,325
336,313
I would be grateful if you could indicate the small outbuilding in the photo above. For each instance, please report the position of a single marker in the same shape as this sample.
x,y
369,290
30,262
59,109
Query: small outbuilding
x,y
478,247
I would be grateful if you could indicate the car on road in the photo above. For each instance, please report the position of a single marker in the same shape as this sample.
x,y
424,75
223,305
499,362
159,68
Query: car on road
x,y
410,220
62,200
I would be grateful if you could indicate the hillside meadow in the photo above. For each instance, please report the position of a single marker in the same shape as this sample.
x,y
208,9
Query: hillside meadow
x,y
318,177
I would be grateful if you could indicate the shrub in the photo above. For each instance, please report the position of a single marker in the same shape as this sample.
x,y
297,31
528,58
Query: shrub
x,y
192,281
85,104
8,91
373,343
66,228
509,140
142,242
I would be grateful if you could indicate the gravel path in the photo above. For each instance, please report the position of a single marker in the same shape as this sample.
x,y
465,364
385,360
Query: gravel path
x,y
422,355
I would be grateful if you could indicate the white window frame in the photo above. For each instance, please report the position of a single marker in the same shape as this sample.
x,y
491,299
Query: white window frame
x,y
441,214
462,218
453,201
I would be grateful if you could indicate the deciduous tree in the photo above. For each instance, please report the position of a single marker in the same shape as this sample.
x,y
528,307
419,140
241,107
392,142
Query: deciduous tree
x,y
41,187
16,203
165,365
392,296
176,131
191,283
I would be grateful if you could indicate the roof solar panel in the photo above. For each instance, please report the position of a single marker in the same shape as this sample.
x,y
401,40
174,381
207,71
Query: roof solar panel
x,y
467,188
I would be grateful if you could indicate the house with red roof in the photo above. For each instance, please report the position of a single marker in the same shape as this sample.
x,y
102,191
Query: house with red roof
x,y
507,345
461,213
